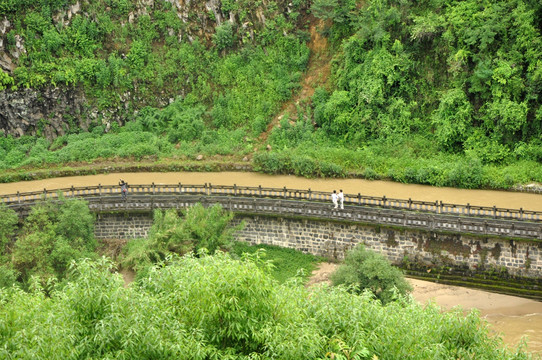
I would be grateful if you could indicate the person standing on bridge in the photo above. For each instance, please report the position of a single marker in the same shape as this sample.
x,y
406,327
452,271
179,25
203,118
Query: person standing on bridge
x,y
341,199
334,198
123,188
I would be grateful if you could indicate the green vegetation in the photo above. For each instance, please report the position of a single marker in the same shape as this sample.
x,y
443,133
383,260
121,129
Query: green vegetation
x,y
51,237
436,92
201,306
287,263
433,92
216,307
365,270
199,228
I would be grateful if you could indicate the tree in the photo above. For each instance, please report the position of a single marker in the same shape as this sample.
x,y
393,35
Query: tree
x,y
8,225
324,9
200,228
223,37
53,235
364,269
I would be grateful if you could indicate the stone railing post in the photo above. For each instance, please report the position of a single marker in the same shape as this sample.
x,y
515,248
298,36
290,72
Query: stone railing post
x,y
180,188
234,189
73,191
409,204
384,200
521,213
18,197
284,192
153,188
260,190
468,208
310,194
359,199
494,211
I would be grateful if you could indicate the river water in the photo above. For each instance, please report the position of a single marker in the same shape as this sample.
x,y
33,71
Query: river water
x,y
513,317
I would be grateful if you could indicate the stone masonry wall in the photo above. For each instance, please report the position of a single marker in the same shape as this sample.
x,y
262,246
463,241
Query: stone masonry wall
x,y
332,239
122,225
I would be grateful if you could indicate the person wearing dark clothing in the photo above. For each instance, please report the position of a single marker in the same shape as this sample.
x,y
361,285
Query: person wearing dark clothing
x,y
123,189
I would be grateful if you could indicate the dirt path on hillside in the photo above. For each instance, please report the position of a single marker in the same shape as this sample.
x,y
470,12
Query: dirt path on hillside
x,y
512,316
317,74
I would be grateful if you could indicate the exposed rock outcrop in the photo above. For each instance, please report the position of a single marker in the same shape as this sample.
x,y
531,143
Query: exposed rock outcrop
x,y
50,112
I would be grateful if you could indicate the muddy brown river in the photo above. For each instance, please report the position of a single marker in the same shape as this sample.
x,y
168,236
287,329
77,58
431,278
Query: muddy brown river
x,y
513,317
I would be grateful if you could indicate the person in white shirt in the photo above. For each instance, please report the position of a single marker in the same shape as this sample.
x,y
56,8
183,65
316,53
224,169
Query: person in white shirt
x,y
341,199
334,198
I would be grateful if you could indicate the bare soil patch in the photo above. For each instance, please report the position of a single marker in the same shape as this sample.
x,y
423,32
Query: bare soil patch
x,y
322,273
317,74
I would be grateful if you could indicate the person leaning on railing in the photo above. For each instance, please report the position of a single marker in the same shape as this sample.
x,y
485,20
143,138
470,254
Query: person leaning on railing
x,y
123,188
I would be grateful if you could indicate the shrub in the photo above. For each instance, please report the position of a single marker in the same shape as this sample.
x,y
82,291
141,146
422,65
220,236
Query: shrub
x,y
8,225
223,37
8,276
199,228
367,270
305,166
272,163
53,235
217,307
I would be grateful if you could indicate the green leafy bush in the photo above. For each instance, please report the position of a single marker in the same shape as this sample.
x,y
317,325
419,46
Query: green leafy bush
x,y
366,270
52,236
199,228
8,224
217,307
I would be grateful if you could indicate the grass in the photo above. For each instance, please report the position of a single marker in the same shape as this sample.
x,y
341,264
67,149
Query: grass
x,y
288,262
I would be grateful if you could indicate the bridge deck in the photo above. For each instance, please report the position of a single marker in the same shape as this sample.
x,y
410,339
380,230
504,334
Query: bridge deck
x,y
433,216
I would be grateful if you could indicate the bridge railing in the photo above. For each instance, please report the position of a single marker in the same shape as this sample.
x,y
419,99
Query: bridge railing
x,y
318,210
207,189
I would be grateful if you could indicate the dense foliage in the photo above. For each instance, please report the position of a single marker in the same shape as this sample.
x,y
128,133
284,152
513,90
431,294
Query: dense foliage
x,y
366,270
198,228
437,92
51,237
217,307
445,93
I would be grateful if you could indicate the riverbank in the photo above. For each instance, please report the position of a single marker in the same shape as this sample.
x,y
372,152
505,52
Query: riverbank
x,y
204,165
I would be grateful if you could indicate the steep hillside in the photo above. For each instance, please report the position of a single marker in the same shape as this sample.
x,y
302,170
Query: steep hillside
x,y
446,93
77,63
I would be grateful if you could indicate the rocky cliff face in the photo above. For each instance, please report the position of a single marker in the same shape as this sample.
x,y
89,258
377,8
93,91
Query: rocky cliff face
x,y
53,111
49,112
